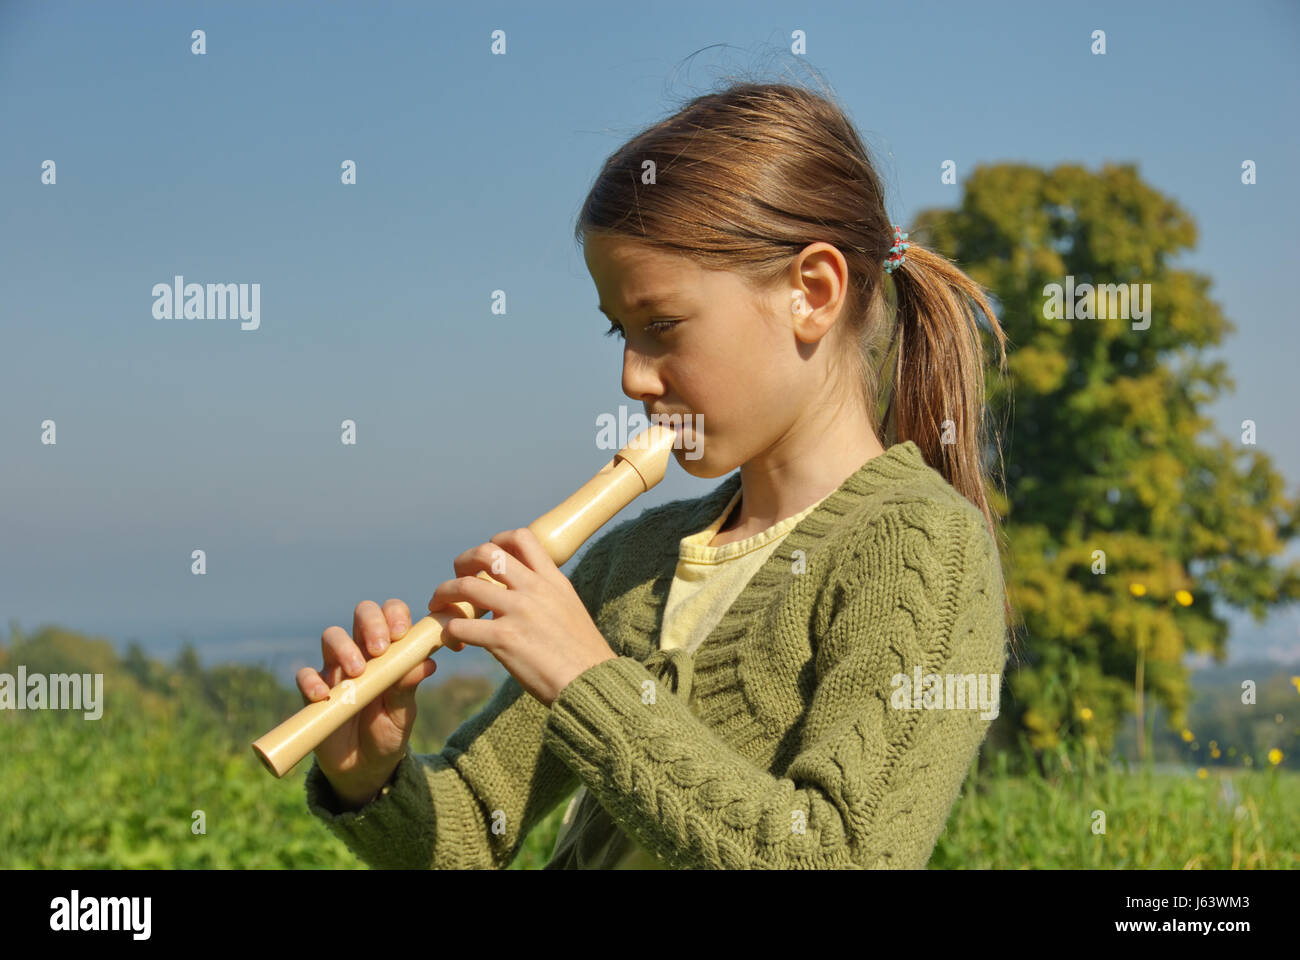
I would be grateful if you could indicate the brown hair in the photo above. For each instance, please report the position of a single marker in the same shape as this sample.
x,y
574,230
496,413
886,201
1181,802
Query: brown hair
x,y
743,180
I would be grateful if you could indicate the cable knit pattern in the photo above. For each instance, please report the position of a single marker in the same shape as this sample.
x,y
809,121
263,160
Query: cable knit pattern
x,y
775,745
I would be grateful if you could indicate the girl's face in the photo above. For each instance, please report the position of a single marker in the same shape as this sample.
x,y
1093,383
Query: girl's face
x,y
705,345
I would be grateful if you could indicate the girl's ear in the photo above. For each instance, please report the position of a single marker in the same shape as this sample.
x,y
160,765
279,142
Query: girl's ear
x,y
809,327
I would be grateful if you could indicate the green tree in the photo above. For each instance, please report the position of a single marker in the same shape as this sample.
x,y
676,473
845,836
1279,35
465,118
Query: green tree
x,y
1108,456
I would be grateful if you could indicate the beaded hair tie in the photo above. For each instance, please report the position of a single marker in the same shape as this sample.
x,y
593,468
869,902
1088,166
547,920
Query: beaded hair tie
x,y
897,251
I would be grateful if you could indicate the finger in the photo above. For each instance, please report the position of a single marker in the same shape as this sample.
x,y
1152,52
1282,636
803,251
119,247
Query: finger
x,y
370,628
476,633
473,589
342,656
312,685
528,550
497,558
418,673
399,699
466,564
456,646
398,615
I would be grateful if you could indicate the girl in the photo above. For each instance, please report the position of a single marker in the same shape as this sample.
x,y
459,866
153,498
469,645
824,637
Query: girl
x,y
783,672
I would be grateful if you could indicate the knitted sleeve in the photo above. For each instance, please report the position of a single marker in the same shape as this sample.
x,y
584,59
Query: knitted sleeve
x,y
471,805
872,783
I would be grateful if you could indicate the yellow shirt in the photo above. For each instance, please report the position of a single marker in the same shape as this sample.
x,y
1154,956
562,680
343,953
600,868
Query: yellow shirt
x,y
707,581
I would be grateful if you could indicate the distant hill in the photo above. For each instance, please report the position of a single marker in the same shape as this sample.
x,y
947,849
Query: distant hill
x,y
241,702
1216,715
236,702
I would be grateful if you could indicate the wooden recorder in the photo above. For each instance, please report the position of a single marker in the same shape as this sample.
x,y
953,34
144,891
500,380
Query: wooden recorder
x,y
634,470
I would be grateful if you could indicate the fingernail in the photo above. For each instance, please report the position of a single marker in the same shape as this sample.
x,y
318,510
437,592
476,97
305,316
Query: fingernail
x,y
358,664
378,646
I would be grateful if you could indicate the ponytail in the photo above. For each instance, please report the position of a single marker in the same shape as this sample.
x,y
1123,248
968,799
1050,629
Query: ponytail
x,y
937,392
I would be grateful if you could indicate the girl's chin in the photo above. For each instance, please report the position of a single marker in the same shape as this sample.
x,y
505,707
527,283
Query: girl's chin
x,y
696,465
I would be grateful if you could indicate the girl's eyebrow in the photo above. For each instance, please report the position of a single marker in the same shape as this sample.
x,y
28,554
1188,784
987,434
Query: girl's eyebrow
x,y
653,300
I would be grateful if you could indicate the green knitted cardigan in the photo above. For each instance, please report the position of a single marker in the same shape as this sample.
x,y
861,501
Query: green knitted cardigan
x,y
774,745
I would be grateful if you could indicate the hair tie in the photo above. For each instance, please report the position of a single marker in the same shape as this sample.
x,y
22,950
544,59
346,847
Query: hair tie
x,y
896,252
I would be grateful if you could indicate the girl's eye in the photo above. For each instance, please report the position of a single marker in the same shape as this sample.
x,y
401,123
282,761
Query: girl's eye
x,y
654,326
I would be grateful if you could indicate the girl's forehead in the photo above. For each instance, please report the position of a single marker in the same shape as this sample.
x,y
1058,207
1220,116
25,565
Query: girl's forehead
x,y
642,276
621,249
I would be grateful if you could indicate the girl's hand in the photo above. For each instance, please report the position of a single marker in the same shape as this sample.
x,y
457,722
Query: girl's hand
x,y
359,756
540,631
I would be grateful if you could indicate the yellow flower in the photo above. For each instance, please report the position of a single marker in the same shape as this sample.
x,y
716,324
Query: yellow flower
x,y
1214,752
1275,756
1183,597
1201,773
1137,589
1187,736
1085,713
1296,683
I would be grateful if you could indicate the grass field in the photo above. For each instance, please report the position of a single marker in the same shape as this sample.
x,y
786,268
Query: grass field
x,y
124,790
125,796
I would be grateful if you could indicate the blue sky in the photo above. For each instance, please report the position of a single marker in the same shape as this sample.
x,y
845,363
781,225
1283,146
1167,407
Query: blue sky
x,y
376,298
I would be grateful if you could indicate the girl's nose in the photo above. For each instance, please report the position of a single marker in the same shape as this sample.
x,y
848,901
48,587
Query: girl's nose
x,y
640,379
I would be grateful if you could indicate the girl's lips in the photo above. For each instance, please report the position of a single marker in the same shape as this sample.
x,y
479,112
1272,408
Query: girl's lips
x,y
678,427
